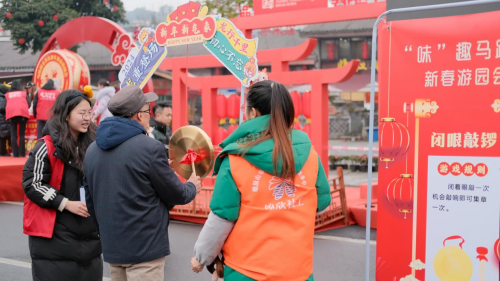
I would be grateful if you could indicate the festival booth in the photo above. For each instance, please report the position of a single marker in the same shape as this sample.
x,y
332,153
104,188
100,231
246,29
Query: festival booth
x,y
229,43
439,207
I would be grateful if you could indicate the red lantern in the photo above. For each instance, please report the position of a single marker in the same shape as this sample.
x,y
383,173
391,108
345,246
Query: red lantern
x,y
221,108
307,129
233,108
297,104
331,52
41,23
232,128
220,135
306,105
55,17
364,50
115,8
496,248
394,140
400,193
21,41
8,15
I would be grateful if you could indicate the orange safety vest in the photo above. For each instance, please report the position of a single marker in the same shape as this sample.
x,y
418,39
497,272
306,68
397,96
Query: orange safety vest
x,y
273,236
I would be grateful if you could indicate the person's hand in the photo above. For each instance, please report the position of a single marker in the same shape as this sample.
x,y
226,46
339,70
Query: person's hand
x,y
196,266
77,208
196,181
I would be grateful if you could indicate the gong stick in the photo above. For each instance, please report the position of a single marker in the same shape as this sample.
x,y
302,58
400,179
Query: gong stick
x,y
194,170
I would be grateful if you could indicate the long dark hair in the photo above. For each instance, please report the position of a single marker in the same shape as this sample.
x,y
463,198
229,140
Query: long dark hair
x,y
270,97
103,82
61,110
49,85
15,86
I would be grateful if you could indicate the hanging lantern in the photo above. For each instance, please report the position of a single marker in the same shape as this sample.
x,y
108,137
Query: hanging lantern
x,y
21,41
221,108
233,108
394,140
496,248
307,129
220,135
8,15
400,193
231,129
41,23
364,50
55,17
115,8
331,51
306,106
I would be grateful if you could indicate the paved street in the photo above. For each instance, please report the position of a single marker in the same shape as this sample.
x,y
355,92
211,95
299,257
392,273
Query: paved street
x,y
338,254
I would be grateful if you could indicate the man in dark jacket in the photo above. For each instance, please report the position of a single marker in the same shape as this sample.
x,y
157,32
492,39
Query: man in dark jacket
x,y
159,125
129,188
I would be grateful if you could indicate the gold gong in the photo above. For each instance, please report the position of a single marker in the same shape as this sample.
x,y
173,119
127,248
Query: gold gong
x,y
191,137
452,264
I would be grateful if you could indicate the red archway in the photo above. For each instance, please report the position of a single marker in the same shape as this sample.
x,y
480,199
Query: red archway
x,y
82,29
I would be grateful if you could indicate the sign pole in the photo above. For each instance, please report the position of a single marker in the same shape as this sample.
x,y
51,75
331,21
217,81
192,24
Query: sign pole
x,y
242,103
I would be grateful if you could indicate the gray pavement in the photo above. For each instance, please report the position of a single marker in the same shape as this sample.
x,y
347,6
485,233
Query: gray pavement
x,y
338,254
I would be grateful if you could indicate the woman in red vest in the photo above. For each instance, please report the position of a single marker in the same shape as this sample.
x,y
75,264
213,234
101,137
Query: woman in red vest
x,y
44,100
17,111
270,185
63,241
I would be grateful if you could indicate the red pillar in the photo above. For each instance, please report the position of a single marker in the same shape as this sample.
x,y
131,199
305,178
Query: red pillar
x,y
179,98
208,106
319,120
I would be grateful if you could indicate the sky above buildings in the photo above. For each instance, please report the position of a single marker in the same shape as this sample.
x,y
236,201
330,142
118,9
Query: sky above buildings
x,y
152,5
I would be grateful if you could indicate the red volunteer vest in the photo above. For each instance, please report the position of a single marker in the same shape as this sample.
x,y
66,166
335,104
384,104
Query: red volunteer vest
x,y
39,221
272,240
17,105
46,98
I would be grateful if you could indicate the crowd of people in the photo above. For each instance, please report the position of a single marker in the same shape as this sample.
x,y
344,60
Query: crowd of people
x,y
16,106
99,187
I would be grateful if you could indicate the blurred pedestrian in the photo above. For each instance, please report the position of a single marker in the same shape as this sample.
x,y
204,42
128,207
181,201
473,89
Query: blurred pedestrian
x,y
42,103
17,111
4,123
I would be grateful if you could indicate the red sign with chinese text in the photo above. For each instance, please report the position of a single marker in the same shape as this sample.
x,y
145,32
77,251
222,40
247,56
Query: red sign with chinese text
x,y
187,31
440,79
276,6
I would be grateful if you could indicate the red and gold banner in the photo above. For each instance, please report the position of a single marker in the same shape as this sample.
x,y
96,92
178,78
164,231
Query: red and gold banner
x,y
439,104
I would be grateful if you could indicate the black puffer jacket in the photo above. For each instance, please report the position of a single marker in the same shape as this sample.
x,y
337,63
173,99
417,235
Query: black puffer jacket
x,y
74,251
4,124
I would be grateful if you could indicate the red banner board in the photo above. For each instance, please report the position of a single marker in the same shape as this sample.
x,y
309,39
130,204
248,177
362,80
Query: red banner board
x,y
275,6
439,103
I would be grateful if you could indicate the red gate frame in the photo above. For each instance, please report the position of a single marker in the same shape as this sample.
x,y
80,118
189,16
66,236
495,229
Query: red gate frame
x,y
279,59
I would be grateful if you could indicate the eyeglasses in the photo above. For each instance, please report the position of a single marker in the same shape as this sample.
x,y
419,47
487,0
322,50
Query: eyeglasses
x,y
146,111
87,115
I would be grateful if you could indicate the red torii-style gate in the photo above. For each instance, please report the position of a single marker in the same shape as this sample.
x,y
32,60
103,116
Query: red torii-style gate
x,y
279,59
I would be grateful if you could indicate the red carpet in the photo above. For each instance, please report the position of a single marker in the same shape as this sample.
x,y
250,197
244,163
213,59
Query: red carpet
x,y
11,171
